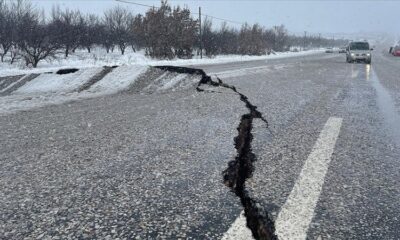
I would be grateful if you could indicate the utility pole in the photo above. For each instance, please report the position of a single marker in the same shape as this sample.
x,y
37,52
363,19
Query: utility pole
x,y
319,40
304,42
201,36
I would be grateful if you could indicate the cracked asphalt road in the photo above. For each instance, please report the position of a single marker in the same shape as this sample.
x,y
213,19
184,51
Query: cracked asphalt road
x,y
150,166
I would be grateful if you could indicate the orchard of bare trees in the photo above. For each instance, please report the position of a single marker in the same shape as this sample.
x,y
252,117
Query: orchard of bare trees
x,y
31,35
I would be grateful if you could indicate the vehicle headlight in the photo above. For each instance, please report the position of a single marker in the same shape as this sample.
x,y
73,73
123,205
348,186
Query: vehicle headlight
x,y
352,54
368,54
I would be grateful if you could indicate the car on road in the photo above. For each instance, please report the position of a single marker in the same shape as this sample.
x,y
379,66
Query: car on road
x,y
329,50
342,50
396,51
359,52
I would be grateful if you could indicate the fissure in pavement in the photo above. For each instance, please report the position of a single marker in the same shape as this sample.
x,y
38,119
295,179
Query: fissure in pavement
x,y
67,71
242,168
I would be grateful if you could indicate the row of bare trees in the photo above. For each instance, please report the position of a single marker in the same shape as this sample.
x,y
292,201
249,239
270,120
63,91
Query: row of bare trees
x,y
165,32
24,33
249,40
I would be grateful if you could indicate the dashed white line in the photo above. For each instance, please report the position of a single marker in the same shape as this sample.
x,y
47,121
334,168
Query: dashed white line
x,y
239,72
14,83
296,214
238,230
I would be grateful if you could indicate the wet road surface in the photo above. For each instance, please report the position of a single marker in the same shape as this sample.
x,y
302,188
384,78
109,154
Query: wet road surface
x,y
150,166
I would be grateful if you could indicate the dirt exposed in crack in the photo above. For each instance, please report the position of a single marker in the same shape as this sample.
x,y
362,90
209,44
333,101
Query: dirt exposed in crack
x,y
242,168
67,71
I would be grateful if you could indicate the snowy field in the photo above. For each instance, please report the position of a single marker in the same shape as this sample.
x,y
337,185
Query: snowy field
x,y
98,58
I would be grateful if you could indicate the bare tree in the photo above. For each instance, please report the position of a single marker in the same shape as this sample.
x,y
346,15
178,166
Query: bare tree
x,y
118,21
138,38
6,29
281,37
36,40
38,45
91,32
67,27
227,40
209,38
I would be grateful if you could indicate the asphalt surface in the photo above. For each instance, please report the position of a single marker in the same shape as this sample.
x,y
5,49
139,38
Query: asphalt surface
x,y
149,166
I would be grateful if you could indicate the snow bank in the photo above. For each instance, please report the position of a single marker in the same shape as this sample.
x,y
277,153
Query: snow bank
x,y
50,89
119,79
233,58
51,82
99,57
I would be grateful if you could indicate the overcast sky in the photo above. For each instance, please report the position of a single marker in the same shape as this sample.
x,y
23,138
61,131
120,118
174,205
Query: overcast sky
x,y
298,16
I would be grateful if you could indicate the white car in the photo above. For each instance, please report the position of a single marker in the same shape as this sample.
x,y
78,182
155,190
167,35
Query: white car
x,y
359,51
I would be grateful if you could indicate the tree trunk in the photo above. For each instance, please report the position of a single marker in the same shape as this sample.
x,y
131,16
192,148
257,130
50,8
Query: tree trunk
x,y
13,57
88,48
35,62
66,52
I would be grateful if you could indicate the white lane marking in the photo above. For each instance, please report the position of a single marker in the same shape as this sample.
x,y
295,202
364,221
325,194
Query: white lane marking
x,y
238,72
296,214
238,230
14,83
354,72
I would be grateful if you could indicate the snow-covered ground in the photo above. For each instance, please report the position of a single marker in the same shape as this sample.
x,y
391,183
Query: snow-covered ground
x,y
119,79
51,88
54,83
98,57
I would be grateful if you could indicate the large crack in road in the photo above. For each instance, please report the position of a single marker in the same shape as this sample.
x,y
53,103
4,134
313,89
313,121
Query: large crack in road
x,y
242,168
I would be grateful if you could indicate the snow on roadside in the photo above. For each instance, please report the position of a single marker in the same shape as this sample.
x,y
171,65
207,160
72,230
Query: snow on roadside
x,y
119,79
99,57
51,82
13,84
51,89
234,58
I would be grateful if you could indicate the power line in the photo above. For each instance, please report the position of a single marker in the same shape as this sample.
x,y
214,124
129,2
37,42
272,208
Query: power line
x,y
139,4
205,15
222,19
